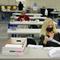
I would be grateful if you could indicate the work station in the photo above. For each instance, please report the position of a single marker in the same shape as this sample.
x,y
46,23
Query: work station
x,y
30,29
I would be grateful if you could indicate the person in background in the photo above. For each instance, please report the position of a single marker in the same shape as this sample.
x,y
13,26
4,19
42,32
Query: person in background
x,y
35,7
20,6
23,17
49,35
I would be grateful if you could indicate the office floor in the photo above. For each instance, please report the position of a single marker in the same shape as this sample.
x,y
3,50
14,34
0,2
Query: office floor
x,y
3,34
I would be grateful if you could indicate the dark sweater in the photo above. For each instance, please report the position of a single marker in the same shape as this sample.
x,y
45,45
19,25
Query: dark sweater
x,y
26,18
50,43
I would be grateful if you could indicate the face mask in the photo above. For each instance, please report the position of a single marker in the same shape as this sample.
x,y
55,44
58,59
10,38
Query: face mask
x,y
49,29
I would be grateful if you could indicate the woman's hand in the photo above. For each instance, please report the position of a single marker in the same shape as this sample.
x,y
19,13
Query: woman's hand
x,y
51,35
45,40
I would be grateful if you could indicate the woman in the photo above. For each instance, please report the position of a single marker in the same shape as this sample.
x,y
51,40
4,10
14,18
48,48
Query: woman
x,y
49,35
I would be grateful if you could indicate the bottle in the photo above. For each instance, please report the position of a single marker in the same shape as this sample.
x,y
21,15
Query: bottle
x,y
46,12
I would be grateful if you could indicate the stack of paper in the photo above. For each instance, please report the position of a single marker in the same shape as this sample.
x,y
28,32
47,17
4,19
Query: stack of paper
x,y
35,46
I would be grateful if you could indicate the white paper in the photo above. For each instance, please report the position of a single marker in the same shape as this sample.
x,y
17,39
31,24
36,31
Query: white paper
x,y
35,46
55,52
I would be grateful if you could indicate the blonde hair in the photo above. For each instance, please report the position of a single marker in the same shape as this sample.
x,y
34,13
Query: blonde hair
x,y
45,24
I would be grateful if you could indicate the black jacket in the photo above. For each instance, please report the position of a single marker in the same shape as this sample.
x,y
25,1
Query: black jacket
x,y
50,43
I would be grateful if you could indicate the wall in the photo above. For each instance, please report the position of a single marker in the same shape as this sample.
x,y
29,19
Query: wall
x,y
7,2
47,3
23,1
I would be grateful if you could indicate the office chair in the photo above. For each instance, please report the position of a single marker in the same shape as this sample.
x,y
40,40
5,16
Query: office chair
x,y
33,26
31,41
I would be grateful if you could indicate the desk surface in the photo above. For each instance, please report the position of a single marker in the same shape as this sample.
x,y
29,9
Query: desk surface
x,y
30,53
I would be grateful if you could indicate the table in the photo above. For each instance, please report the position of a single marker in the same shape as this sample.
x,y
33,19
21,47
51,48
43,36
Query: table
x,y
37,22
14,11
31,53
26,31
55,12
16,17
30,14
